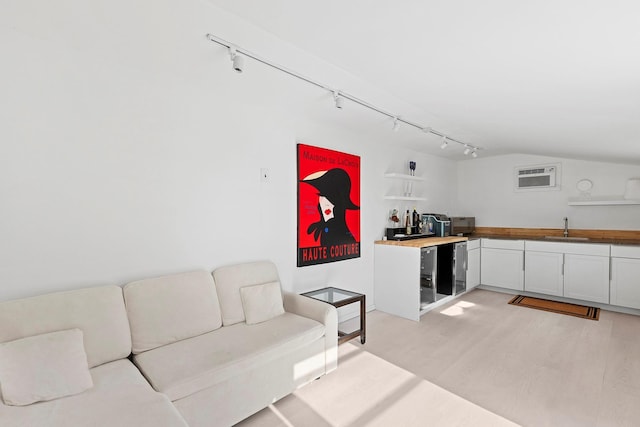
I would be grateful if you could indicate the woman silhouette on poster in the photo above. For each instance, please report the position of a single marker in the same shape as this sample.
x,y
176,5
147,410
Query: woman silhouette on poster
x,y
334,190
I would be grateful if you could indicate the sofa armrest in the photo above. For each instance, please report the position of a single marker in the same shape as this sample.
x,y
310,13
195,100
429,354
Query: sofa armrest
x,y
321,312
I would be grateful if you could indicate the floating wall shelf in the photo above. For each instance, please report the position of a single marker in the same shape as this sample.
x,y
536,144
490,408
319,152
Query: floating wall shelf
x,y
407,178
403,176
415,199
602,201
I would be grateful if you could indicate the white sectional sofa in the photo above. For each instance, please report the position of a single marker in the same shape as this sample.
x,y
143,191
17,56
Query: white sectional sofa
x,y
188,349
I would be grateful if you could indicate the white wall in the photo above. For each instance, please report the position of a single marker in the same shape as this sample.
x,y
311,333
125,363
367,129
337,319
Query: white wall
x,y
486,190
129,148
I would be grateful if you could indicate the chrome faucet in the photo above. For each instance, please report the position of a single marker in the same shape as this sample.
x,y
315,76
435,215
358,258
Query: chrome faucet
x,y
566,227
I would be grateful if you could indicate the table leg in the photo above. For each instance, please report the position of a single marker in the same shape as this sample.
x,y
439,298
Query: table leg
x,y
363,322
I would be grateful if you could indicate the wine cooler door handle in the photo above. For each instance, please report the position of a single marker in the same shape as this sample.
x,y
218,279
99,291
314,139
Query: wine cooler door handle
x,y
466,260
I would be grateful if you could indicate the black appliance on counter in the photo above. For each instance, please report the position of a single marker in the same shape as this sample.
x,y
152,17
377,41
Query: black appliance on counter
x,y
462,225
399,233
439,223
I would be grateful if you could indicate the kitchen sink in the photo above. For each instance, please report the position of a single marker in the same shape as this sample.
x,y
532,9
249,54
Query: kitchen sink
x,y
567,239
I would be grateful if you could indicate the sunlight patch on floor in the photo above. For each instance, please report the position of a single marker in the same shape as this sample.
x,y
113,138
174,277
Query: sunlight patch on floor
x,y
457,309
281,417
368,390
373,386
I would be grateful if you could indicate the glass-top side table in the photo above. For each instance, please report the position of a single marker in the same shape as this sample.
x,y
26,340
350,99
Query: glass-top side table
x,y
340,297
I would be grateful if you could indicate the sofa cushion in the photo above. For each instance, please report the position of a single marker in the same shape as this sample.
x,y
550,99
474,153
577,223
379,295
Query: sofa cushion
x,y
185,367
99,312
261,302
171,308
230,279
120,397
43,367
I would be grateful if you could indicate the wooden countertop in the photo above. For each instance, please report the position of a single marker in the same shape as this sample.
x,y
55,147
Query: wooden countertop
x,y
612,237
602,240
541,232
422,243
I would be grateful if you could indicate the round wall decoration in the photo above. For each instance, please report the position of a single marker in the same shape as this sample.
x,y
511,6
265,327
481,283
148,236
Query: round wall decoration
x,y
584,185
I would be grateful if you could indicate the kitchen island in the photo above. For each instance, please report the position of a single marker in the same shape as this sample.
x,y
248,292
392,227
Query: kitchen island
x,y
407,273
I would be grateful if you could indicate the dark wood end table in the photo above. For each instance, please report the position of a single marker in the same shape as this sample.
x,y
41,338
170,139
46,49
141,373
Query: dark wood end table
x,y
339,297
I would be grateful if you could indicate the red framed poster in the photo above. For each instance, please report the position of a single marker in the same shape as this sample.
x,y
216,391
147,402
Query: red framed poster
x,y
328,205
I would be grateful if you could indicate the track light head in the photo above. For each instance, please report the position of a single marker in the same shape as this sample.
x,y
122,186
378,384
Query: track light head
x,y
338,100
238,63
474,154
426,130
466,151
237,60
396,124
444,143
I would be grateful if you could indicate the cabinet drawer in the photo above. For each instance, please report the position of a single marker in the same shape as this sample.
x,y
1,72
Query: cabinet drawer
x,y
625,251
587,249
503,244
473,244
539,246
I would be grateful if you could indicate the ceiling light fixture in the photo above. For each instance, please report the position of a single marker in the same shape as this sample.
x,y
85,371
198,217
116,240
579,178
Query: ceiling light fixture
x,y
238,55
474,154
396,124
237,60
338,99
467,150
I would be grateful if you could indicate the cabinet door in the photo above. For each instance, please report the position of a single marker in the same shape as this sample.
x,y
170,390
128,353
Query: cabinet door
x,y
502,268
586,277
473,268
625,282
543,273
396,280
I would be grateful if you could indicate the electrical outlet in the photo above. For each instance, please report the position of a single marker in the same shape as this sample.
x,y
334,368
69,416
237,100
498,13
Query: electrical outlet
x,y
264,175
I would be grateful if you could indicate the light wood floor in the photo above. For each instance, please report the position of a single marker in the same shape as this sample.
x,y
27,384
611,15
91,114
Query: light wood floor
x,y
477,361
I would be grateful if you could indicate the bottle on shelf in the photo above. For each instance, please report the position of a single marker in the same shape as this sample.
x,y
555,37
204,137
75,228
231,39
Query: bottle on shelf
x,y
407,222
416,219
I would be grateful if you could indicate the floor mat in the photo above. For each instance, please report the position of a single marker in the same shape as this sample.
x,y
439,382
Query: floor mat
x,y
583,311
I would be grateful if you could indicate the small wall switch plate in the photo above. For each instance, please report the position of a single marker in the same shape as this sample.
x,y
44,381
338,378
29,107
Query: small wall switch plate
x,y
264,175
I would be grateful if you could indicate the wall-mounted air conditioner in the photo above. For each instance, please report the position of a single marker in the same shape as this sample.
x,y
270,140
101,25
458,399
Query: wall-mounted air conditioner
x,y
539,177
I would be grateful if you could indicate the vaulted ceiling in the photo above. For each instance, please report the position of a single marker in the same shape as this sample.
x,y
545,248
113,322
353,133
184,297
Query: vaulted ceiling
x,y
558,78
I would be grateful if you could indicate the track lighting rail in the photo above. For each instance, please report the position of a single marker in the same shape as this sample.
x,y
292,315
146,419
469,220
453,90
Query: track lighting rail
x,y
338,95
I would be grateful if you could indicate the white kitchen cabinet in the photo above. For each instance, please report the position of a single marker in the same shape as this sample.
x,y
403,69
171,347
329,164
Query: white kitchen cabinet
x,y
543,272
586,277
397,280
412,277
572,270
625,276
473,264
502,263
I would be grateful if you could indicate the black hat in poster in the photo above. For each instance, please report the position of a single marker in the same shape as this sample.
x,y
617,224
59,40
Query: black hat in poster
x,y
334,199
